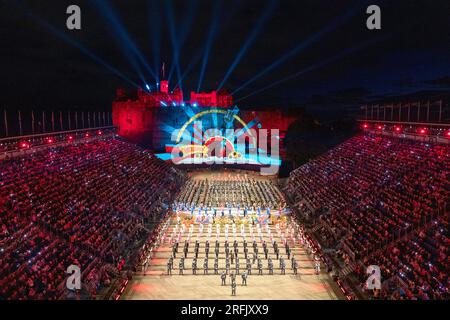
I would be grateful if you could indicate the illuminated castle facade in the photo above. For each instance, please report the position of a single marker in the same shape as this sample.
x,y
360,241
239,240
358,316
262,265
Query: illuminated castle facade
x,y
147,118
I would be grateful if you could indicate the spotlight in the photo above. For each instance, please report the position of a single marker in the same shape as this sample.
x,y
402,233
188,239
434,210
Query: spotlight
x,y
49,140
99,132
195,105
70,138
365,125
380,127
182,104
87,135
397,129
174,104
423,130
448,134
148,87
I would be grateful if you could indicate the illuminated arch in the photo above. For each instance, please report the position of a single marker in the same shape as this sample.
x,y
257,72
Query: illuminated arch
x,y
200,114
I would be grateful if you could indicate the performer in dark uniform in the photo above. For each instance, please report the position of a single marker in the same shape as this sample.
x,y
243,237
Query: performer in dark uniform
x,y
194,266
223,276
233,278
270,263
169,268
216,266
205,266
244,278
216,250
181,267
171,262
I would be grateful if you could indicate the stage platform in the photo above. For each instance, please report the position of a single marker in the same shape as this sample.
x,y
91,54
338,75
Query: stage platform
x,y
155,283
159,286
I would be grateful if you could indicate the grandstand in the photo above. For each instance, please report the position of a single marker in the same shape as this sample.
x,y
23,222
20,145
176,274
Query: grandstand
x,y
88,202
374,197
138,226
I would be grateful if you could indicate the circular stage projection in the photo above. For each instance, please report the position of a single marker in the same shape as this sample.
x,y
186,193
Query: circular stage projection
x,y
215,135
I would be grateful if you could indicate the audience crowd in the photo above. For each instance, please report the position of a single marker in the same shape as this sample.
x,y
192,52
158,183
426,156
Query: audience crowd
x,y
371,191
84,204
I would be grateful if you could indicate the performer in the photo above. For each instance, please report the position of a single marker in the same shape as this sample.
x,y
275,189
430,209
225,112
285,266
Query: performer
x,y
181,267
249,267
216,251
283,268
270,267
169,268
233,278
244,278
233,288
223,276
174,252
194,266
205,266
171,261
216,266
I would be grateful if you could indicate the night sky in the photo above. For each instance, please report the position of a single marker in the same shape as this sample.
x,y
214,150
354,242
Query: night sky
x,y
338,61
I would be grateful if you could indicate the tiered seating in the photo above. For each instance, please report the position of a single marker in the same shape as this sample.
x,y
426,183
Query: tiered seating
x,y
81,204
420,262
373,190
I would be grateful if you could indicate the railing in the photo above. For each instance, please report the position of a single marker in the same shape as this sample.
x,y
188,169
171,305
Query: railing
x,y
13,146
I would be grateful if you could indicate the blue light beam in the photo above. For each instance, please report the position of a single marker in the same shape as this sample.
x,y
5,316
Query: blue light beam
x,y
209,41
318,65
268,9
301,46
61,35
113,20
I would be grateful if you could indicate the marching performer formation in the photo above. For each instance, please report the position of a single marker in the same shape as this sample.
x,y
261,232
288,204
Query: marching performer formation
x,y
232,241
